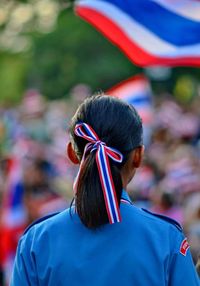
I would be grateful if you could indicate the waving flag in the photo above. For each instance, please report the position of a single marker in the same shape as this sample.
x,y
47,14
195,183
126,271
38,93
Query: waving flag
x,y
136,91
150,32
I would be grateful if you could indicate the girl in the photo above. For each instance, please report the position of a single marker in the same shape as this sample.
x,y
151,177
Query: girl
x,y
103,239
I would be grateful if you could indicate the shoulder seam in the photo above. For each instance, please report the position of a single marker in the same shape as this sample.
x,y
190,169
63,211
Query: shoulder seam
x,y
39,220
166,219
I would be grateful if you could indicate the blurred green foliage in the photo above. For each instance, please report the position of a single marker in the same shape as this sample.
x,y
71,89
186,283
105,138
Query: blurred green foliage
x,y
13,69
73,53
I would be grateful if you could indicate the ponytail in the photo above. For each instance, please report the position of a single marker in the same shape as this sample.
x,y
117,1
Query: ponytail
x,y
90,203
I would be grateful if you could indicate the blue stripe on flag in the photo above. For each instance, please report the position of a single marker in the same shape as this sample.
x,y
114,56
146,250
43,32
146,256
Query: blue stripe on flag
x,y
154,17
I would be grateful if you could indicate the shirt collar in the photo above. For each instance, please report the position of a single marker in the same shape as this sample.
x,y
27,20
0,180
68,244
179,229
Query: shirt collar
x,y
125,196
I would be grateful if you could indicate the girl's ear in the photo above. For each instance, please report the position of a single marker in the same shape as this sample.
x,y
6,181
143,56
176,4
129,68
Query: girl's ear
x,y
71,154
138,155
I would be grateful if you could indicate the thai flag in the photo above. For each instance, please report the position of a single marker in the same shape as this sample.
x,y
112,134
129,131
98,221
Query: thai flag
x,y
136,91
150,32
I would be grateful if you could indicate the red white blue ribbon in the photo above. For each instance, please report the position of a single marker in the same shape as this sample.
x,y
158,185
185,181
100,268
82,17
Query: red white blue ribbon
x,y
103,153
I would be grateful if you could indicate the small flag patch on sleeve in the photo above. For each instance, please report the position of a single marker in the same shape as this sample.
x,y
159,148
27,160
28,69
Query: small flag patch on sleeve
x,y
184,247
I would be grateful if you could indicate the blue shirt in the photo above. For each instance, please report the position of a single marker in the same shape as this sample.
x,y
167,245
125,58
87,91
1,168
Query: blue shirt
x,y
142,250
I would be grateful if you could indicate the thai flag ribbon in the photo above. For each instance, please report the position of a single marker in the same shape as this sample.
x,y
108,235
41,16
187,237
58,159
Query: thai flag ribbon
x,y
103,153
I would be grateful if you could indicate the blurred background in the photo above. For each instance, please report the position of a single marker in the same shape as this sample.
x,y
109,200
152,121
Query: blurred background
x,y
50,60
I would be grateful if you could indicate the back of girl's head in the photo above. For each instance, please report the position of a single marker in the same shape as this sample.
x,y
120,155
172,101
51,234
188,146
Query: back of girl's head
x,y
118,125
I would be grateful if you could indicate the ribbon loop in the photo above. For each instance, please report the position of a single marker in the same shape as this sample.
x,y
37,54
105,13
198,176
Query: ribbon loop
x,y
102,159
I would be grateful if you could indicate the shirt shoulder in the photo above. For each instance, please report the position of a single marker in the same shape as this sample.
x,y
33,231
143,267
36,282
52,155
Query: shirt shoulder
x,y
145,217
163,228
52,223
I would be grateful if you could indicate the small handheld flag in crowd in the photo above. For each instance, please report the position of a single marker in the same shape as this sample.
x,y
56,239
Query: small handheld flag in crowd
x,y
137,91
13,216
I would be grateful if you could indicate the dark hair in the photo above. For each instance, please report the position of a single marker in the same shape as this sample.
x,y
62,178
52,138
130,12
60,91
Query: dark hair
x,y
119,126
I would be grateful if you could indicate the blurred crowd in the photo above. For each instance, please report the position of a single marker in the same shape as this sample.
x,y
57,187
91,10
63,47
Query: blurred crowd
x,y
36,177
